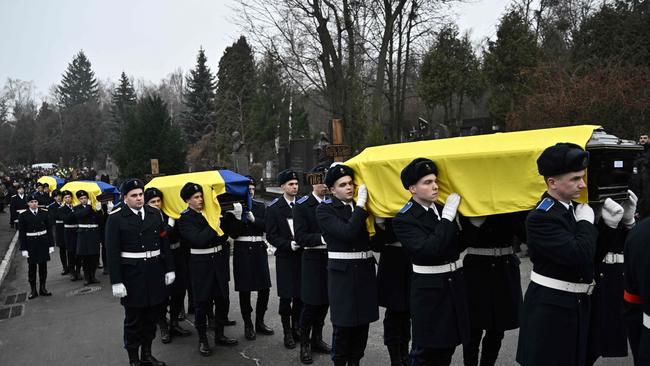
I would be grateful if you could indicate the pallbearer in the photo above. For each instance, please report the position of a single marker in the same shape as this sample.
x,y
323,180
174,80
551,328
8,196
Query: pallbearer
x,y
88,235
36,243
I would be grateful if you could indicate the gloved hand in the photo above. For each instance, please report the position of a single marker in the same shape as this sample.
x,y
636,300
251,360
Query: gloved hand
x,y
451,207
25,253
98,206
110,206
119,290
294,246
381,222
322,240
51,250
629,207
612,213
362,196
250,216
477,221
236,210
171,222
169,278
584,212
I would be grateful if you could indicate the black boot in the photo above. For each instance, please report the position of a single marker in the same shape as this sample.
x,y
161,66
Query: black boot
x,y
147,359
134,357
177,331
76,275
295,327
212,322
305,347
230,323
353,363
405,354
33,293
249,331
394,352
260,327
220,338
165,336
204,346
317,344
93,279
43,291
289,342
86,277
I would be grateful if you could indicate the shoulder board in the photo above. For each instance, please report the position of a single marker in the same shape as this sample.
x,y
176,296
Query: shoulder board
x,y
274,201
327,201
185,211
14,196
44,209
406,207
303,199
117,209
545,205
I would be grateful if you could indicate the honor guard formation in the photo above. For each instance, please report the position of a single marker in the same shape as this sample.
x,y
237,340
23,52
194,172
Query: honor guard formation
x,y
445,280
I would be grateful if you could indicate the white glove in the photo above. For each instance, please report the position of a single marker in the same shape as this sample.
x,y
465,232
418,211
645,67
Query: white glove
x,y
25,253
584,212
629,206
51,250
171,222
294,246
612,213
119,290
380,221
477,221
250,216
236,210
451,207
322,240
169,278
98,206
362,196
109,206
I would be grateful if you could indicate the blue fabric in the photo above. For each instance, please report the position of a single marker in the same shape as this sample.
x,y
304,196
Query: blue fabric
x,y
106,189
237,185
59,181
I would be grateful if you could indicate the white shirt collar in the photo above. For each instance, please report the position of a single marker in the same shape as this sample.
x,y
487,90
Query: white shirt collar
x,y
316,197
289,202
433,207
136,211
566,205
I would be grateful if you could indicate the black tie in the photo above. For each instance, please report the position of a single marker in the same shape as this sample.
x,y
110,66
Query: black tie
x,y
140,214
291,204
432,215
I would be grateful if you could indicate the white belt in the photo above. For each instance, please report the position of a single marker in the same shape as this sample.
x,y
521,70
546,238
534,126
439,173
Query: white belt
x,y
316,247
611,258
216,249
249,238
21,211
38,233
58,222
578,288
490,252
16,220
88,226
646,320
443,268
395,244
141,255
349,255
174,246
70,226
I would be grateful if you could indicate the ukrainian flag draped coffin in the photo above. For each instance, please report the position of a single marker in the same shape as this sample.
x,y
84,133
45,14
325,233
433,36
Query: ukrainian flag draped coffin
x,y
494,173
52,181
214,184
95,189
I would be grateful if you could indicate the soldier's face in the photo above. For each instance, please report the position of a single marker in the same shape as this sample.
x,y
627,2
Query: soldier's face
x,y
251,189
290,188
33,204
319,189
135,198
83,200
57,199
343,188
644,139
567,186
196,201
155,202
426,189
67,199
21,191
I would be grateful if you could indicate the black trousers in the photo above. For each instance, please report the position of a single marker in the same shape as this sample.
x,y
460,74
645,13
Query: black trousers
x,y
42,272
290,307
489,351
140,326
74,261
313,315
89,263
633,317
260,305
103,255
63,255
397,327
174,305
201,311
422,356
349,343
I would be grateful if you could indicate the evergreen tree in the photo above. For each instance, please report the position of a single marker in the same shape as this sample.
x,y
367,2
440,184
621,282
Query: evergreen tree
x,y
79,84
199,118
22,140
6,131
123,99
47,139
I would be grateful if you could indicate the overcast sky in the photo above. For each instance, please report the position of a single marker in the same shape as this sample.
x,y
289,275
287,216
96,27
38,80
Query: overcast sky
x,y
146,38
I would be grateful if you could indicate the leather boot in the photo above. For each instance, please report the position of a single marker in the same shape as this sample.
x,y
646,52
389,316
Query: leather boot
x,y
353,363
86,277
288,336
177,331
212,322
147,359
305,347
317,344
204,346
340,363
134,357
165,336
220,338
295,327
43,291
33,293
405,354
249,331
260,327
76,276
394,352
93,279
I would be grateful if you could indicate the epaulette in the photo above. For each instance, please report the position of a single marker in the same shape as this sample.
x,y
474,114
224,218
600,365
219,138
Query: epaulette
x,y
14,196
327,201
406,207
303,199
44,209
185,210
117,209
545,205
274,201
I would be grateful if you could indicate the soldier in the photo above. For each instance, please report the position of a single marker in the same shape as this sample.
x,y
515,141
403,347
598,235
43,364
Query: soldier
x,y
17,205
36,244
251,267
57,223
438,294
562,244
66,214
279,233
313,291
207,270
88,235
352,284
153,197
141,268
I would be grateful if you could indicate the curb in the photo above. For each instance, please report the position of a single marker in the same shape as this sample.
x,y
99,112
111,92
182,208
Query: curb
x,y
6,262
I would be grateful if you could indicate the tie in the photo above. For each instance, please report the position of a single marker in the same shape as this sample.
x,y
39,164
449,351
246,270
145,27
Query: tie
x,y
348,210
291,204
140,214
432,215
34,212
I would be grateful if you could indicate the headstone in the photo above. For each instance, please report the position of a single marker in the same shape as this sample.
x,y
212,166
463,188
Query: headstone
x,y
240,162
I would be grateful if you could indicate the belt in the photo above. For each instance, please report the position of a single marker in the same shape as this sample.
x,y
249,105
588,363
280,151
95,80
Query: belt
x,y
646,320
216,249
443,268
38,233
141,255
174,246
70,226
21,211
632,298
578,288
58,222
611,258
87,226
316,247
349,255
395,244
490,252
16,220
249,238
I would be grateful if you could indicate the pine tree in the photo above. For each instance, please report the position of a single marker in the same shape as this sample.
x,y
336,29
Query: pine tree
x,y
199,119
122,98
47,142
79,84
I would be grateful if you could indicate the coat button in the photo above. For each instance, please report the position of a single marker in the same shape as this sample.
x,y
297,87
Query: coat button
x,y
450,279
493,265
602,275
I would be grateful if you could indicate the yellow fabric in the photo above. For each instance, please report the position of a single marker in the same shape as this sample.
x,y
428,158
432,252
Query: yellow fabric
x,y
91,187
212,183
493,174
51,182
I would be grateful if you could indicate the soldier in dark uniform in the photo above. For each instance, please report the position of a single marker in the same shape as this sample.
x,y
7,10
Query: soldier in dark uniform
x,y
251,267
66,214
57,223
352,283
17,205
88,235
36,243
42,197
208,275
562,245
431,237
279,233
141,268
153,197
313,292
